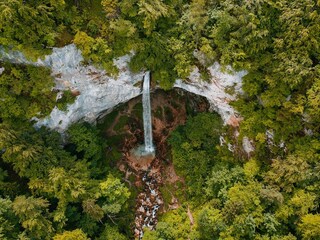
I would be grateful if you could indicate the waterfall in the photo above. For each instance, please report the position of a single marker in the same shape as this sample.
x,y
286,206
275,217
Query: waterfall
x,y
148,145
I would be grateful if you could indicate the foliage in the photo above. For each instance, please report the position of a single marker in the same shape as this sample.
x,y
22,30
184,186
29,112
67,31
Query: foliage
x,y
193,149
66,99
30,26
159,33
273,41
210,222
95,50
309,226
71,235
173,225
33,215
89,146
30,152
25,92
47,189
115,194
63,185
250,200
8,221
111,233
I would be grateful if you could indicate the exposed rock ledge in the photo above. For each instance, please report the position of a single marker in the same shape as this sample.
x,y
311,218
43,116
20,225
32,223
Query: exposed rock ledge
x,y
99,92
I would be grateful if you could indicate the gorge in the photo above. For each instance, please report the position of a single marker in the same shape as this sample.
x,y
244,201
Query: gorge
x,y
153,175
100,94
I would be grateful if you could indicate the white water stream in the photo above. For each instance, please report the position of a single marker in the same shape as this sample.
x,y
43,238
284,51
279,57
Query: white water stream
x,y
147,124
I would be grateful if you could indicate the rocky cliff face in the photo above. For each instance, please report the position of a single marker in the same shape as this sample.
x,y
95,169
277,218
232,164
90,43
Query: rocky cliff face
x,y
97,92
216,90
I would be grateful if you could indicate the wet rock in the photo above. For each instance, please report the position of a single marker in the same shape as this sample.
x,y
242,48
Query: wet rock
x,y
150,201
141,209
159,201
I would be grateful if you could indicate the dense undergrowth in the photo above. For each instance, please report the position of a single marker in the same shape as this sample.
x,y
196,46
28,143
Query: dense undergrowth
x,y
50,190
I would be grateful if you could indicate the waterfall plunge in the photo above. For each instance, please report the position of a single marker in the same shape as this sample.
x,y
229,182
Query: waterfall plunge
x,y
147,125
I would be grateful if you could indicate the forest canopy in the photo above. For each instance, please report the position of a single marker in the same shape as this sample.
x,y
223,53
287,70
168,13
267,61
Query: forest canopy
x,y
54,188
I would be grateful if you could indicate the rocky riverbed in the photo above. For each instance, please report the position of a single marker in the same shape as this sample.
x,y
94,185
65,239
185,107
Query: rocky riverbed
x,y
149,201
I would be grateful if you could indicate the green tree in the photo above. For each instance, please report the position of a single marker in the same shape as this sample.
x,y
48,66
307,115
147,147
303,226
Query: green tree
x,y
289,173
151,12
111,233
30,26
173,225
68,186
76,234
193,149
92,209
115,194
221,179
89,146
9,223
210,223
34,217
273,41
26,152
26,92
110,7
309,226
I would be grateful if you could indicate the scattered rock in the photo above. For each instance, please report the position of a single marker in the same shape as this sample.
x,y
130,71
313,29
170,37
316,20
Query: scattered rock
x,y
247,145
190,217
233,121
147,205
75,93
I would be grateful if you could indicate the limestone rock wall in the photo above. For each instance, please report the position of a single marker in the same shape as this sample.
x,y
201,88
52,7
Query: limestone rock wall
x,y
97,92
